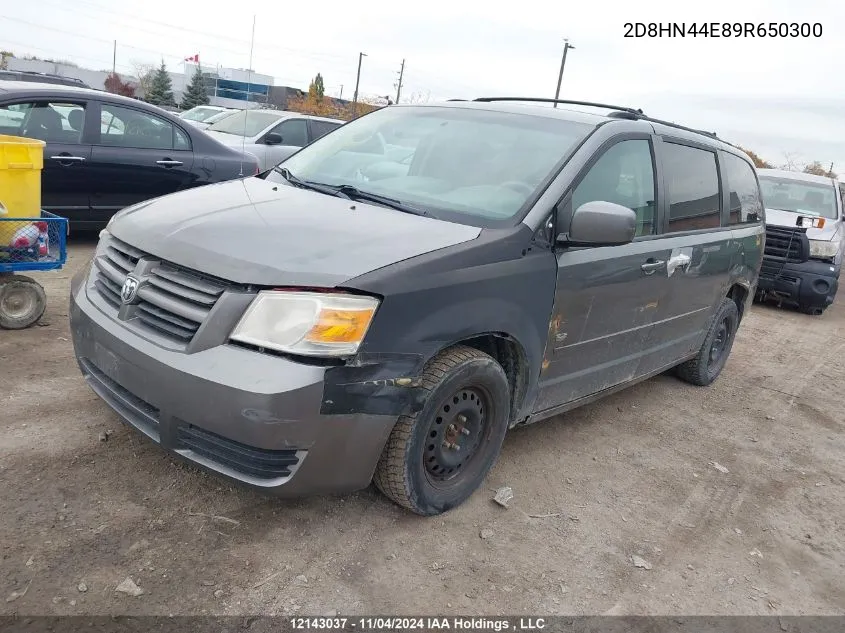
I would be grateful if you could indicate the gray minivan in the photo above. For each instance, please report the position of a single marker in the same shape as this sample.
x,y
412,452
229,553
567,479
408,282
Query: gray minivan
x,y
368,314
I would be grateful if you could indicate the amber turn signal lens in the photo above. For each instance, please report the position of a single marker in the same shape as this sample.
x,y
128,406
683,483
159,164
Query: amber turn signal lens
x,y
340,326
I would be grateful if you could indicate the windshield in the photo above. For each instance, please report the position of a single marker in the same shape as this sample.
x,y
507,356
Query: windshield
x,y
798,196
220,115
247,123
200,113
468,165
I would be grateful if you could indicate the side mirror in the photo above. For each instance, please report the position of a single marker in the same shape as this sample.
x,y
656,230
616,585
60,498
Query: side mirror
x,y
273,139
600,223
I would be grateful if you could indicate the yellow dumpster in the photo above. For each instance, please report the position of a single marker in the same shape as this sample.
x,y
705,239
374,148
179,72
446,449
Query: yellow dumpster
x,y
21,162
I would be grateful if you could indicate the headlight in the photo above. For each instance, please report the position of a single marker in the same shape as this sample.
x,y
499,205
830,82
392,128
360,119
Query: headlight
x,y
306,323
823,249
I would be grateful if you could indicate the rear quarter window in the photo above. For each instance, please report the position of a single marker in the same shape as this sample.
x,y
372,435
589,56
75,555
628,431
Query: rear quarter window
x,y
746,202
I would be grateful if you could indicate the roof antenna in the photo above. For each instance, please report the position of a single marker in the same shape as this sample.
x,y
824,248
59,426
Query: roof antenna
x,y
248,91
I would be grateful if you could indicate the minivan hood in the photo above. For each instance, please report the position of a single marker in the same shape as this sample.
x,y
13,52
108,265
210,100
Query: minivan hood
x,y
257,232
778,217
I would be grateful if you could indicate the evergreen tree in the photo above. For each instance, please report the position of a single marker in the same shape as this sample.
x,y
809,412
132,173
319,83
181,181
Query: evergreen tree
x,y
318,84
196,94
161,88
317,89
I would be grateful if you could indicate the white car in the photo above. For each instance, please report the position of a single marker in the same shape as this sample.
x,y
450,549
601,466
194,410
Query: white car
x,y
204,125
202,113
270,135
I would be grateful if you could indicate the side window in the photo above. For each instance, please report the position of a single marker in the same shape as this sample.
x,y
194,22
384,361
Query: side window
x,y
180,139
50,121
321,128
692,184
293,132
625,175
746,201
125,127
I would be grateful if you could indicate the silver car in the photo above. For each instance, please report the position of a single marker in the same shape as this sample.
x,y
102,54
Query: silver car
x,y
270,135
805,239
202,113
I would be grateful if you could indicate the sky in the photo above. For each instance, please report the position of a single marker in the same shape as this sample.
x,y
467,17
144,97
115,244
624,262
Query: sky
x,y
779,96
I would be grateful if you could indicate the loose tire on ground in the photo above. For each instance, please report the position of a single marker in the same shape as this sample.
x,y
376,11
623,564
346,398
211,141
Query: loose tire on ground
x,y
467,406
710,360
22,302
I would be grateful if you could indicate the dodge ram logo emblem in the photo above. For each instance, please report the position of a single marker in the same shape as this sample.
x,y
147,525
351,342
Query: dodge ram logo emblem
x,y
129,290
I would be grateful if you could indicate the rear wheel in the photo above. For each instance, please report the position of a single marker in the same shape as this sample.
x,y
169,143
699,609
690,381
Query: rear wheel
x,y
436,458
22,302
713,353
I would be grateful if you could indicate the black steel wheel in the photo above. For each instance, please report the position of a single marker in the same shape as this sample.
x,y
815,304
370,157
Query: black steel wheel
x,y
455,434
436,458
714,351
22,302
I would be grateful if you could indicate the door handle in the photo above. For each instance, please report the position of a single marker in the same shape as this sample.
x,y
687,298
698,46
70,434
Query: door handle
x,y
68,159
169,163
652,266
681,260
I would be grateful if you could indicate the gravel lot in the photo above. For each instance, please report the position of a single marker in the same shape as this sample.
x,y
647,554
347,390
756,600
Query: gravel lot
x,y
729,498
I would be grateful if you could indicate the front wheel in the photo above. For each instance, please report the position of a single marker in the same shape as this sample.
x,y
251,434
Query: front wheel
x,y
436,458
22,302
713,353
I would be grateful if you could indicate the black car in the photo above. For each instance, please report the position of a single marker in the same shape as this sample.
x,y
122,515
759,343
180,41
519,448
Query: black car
x,y
105,152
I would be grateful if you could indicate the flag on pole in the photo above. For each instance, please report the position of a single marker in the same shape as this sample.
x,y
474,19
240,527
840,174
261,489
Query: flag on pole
x,y
193,58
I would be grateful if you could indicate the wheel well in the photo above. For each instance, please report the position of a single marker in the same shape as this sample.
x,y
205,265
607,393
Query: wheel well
x,y
739,294
510,355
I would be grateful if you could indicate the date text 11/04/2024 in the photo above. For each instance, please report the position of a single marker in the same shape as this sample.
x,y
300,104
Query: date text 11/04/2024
x,y
723,29
396,624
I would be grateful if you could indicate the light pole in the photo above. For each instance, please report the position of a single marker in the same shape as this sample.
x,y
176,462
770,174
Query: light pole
x,y
566,47
361,56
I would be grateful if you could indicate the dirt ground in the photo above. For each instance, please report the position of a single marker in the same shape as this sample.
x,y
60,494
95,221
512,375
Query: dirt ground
x,y
731,498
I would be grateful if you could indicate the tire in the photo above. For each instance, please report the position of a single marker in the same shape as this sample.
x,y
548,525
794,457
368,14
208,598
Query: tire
x,y
420,468
22,302
705,368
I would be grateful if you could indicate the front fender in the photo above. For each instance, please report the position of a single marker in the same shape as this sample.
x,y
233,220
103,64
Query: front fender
x,y
491,285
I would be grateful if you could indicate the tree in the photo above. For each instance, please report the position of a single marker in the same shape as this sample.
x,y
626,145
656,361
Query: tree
x,y
759,163
196,94
817,169
161,88
145,73
331,108
317,88
4,59
116,85
424,97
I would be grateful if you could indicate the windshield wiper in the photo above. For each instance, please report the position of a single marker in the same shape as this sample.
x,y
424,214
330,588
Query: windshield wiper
x,y
353,193
313,186
349,192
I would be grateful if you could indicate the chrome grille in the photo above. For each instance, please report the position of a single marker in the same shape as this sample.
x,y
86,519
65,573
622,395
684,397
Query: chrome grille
x,y
172,301
113,266
176,301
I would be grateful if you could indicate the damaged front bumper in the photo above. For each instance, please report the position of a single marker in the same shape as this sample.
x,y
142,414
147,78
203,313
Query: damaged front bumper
x,y
811,284
261,420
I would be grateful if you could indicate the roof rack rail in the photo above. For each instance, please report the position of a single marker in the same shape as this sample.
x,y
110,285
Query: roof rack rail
x,y
683,127
592,104
619,112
